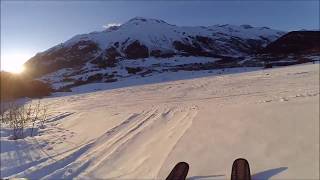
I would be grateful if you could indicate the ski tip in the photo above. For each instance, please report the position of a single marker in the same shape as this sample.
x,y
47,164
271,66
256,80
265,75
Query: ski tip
x,y
240,170
183,164
241,160
179,172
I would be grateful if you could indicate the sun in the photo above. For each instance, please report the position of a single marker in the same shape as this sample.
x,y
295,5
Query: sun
x,y
16,69
14,62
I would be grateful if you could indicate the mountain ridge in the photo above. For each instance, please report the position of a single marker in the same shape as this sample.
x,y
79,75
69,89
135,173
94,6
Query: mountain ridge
x,y
141,38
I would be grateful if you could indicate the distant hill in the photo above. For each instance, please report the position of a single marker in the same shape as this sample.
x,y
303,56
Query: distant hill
x,y
296,42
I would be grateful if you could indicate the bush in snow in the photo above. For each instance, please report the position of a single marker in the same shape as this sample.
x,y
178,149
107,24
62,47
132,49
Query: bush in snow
x,y
19,117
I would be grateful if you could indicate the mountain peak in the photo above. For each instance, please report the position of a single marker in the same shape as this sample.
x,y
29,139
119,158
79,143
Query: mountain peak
x,y
246,26
139,20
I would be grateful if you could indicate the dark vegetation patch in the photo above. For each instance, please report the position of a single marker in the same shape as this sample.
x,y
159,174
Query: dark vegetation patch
x,y
107,58
66,79
133,70
95,78
196,47
15,86
162,54
110,80
67,88
99,77
271,60
143,74
136,50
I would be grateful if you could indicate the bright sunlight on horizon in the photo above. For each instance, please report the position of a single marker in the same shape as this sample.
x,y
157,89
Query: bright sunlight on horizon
x,y
14,62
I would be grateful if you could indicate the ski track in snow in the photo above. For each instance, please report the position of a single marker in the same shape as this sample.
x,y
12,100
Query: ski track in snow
x,y
132,140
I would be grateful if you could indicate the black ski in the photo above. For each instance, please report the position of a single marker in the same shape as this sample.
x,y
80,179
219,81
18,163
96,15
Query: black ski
x,y
240,170
179,172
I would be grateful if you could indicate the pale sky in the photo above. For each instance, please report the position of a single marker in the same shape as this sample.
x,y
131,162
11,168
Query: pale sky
x,y
28,27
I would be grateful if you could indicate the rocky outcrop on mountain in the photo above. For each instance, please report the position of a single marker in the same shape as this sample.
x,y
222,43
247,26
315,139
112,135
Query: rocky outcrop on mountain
x,y
108,58
136,50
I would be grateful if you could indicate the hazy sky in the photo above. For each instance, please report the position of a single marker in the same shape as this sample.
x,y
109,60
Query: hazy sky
x,y
28,27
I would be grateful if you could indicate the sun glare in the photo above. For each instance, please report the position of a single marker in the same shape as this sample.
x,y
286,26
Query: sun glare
x,y
14,62
17,69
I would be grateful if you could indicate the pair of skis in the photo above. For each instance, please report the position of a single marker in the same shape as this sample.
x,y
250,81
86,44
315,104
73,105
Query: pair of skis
x,y
240,171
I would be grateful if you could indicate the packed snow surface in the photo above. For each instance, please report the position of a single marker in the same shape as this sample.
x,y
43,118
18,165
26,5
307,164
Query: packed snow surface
x,y
270,117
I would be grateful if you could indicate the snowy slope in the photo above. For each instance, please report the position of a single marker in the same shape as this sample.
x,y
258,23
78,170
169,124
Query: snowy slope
x,y
270,117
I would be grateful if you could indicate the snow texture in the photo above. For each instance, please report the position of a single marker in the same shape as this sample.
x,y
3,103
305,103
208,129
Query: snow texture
x,y
206,118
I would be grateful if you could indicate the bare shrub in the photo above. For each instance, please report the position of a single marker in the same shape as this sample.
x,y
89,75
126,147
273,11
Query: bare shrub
x,y
36,112
15,118
43,116
18,117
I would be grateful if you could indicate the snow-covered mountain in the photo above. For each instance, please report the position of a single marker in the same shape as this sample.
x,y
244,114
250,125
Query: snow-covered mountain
x,y
142,40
